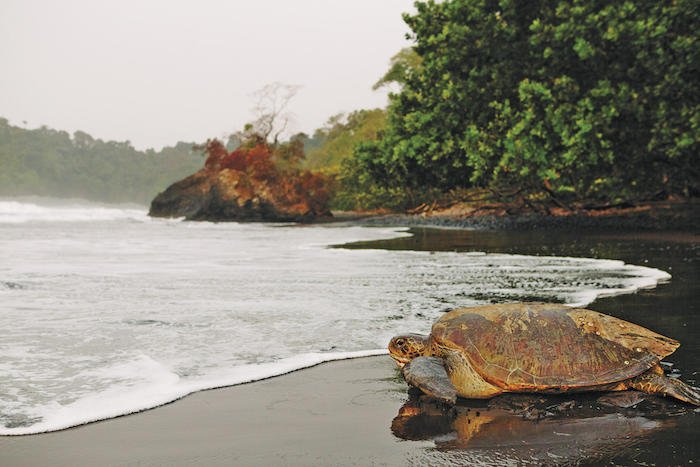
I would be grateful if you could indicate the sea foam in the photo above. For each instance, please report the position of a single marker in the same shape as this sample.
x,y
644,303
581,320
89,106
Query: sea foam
x,y
15,212
161,387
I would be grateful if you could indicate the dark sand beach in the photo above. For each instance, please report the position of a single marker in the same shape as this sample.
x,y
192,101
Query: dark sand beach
x,y
359,412
335,413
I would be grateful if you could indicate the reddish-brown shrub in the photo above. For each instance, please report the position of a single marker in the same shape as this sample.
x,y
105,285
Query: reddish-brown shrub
x,y
285,182
256,161
216,152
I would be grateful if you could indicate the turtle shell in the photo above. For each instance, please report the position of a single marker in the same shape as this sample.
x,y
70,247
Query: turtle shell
x,y
537,346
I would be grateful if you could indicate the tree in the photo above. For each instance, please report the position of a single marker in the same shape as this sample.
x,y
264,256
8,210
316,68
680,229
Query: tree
x,y
571,99
401,66
341,134
271,118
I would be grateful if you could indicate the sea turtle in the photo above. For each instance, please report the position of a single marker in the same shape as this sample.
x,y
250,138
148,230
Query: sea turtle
x,y
484,351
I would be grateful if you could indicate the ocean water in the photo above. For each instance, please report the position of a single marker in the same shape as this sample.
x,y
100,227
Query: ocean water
x,y
106,312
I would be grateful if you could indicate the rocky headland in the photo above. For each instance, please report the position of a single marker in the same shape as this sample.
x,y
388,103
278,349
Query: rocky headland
x,y
245,185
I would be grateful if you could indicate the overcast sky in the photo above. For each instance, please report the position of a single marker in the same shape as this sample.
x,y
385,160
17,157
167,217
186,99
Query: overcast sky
x,y
157,71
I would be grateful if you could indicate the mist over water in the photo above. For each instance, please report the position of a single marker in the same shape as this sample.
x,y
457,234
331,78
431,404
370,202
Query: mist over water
x,y
105,311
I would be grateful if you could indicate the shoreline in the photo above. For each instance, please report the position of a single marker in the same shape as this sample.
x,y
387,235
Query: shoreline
x,y
355,412
277,420
284,368
649,217
344,412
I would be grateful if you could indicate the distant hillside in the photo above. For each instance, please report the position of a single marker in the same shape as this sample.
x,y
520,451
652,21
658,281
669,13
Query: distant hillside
x,y
47,162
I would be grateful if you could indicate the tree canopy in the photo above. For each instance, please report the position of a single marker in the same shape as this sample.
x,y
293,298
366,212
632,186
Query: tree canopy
x,y
571,100
335,142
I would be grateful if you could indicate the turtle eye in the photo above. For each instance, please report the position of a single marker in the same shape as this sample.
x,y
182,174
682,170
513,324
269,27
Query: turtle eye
x,y
400,342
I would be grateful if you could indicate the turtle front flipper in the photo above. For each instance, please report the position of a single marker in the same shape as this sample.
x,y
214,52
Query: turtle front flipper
x,y
652,382
428,374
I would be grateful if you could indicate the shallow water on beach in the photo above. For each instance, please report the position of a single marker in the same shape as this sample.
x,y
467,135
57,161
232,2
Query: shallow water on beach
x,y
106,312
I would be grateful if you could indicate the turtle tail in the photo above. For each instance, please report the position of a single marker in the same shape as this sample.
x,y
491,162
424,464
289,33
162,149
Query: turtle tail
x,y
652,382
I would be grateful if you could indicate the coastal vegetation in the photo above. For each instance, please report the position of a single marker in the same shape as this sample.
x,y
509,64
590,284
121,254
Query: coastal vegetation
x,y
331,152
541,104
48,162
560,103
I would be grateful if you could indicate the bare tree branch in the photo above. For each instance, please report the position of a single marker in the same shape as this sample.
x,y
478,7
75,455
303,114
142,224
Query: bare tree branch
x,y
271,118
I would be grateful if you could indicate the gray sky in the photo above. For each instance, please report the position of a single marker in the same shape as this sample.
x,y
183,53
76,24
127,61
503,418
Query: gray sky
x,y
158,71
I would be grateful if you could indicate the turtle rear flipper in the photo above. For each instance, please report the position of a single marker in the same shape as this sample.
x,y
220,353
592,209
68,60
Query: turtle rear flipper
x,y
428,374
653,383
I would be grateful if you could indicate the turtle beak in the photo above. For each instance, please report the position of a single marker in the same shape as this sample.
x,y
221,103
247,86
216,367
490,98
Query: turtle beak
x,y
400,362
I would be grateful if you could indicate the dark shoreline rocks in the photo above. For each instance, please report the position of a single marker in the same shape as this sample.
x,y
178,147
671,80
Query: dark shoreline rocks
x,y
660,217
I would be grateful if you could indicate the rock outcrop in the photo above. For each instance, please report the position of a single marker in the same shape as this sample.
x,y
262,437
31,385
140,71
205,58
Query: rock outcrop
x,y
232,195
255,182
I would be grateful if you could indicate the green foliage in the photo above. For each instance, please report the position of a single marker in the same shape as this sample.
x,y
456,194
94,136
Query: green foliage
x,y
581,100
48,162
401,66
330,150
358,190
336,141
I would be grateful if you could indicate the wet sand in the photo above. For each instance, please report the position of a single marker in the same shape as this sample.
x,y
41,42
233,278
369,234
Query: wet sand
x,y
334,413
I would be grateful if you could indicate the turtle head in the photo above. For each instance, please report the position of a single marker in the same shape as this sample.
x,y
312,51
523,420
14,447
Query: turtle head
x,y
406,347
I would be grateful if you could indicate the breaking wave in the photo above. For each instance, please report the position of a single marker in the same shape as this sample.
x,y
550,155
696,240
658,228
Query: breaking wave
x,y
17,212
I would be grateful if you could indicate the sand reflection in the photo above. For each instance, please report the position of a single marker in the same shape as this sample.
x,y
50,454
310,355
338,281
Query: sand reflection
x,y
530,429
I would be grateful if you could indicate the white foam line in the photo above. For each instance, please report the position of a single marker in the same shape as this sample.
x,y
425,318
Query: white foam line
x,y
641,278
16,212
119,401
